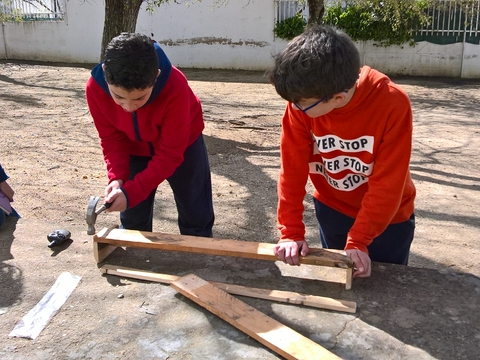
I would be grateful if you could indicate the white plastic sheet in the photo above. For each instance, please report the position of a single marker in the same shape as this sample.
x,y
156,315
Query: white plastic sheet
x,y
36,319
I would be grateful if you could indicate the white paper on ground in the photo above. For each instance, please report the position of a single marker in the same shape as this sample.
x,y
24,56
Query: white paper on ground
x,y
36,319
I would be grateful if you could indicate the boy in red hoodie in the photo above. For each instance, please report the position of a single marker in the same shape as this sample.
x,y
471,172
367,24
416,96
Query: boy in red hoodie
x,y
150,125
349,129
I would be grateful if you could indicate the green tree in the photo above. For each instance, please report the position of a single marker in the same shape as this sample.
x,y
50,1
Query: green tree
x,y
120,16
389,22
289,28
316,9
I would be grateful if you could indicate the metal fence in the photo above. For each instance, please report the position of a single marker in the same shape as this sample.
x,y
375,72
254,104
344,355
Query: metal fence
x,y
32,10
452,21
285,9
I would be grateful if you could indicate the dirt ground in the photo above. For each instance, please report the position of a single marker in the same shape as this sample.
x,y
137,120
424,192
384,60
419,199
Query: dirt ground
x,y
49,148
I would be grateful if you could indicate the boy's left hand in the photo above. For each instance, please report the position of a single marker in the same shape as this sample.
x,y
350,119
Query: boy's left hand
x,y
362,263
288,251
7,190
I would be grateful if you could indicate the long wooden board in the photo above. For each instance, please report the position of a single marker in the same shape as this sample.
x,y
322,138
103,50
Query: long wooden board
x,y
274,295
271,333
211,246
106,240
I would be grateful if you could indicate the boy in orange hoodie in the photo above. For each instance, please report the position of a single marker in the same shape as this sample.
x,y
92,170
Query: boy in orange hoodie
x,y
349,129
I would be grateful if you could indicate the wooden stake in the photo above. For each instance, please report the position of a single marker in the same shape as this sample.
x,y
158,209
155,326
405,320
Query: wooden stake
x,y
271,333
274,295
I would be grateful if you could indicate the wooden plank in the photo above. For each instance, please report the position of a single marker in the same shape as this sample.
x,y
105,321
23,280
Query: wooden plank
x,y
211,246
271,333
349,279
100,250
274,295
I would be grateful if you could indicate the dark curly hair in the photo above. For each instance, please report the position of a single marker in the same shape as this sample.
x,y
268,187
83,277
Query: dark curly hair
x,y
321,62
131,61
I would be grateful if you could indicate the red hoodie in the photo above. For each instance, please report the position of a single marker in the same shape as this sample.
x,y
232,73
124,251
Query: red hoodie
x,y
357,158
163,128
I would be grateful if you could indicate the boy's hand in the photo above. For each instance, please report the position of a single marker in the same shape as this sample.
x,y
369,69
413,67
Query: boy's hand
x,y
362,262
115,196
288,250
7,190
114,185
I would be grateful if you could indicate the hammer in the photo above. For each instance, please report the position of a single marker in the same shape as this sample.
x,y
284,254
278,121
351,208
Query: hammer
x,y
91,217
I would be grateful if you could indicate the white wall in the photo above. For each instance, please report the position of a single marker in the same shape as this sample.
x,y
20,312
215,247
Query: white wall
x,y
471,61
238,35
77,39
425,59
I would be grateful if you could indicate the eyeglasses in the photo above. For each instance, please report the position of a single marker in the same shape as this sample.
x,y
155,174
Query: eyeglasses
x,y
315,103
304,110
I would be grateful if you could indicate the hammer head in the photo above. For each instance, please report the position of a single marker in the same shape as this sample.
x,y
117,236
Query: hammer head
x,y
91,214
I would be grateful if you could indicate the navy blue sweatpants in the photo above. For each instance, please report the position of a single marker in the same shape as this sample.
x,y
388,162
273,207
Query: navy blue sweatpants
x,y
192,189
391,246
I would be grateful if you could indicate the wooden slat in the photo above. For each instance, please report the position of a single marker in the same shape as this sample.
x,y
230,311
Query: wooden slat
x,y
211,246
274,295
271,333
101,251
349,279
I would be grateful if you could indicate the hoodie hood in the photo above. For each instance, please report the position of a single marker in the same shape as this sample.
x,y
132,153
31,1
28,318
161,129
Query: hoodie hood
x,y
369,80
164,65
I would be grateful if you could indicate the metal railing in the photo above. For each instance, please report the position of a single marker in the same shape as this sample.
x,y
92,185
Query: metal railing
x,y
451,17
451,20
285,9
32,10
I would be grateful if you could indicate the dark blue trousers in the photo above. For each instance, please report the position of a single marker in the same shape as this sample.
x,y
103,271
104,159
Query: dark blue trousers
x,y
192,189
391,246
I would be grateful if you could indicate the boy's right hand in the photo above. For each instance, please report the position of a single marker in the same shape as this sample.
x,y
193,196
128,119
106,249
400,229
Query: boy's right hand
x,y
115,196
362,262
7,190
288,250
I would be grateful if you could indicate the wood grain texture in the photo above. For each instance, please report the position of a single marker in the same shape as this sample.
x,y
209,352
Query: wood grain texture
x,y
271,333
212,246
290,297
100,250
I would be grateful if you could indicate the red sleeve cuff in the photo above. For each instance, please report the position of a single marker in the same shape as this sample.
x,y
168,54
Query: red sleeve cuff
x,y
355,245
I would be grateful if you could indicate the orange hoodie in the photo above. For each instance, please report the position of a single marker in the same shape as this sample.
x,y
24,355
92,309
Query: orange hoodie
x,y
357,158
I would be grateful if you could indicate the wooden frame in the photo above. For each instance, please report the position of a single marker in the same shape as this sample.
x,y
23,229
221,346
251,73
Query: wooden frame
x,y
108,239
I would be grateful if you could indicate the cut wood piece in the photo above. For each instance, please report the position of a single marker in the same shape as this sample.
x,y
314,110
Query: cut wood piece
x,y
271,333
274,295
348,279
210,246
101,251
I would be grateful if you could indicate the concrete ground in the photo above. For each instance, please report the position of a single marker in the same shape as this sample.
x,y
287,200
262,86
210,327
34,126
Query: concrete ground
x,y
49,147
403,312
